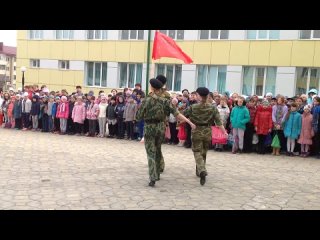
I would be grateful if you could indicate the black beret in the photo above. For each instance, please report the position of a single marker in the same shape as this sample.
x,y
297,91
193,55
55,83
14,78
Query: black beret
x,y
162,79
203,91
155,83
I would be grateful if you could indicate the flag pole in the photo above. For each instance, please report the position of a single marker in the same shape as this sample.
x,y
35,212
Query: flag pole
x,y
148,61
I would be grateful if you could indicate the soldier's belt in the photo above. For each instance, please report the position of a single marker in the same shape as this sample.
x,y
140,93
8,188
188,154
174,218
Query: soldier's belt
x,y
153,121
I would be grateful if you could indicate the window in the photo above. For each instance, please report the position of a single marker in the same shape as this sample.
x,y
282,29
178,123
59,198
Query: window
x,y
2,67
8,59
35,34
258,80
132,34
174,34
212,77
14,68
173,75
63,64
214,34
34,63
263,34
64,34
97,34
309,34
306,79
96,74
130,74
14,77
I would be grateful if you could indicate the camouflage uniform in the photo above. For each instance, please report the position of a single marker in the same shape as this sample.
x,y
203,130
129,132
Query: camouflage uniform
x,y
203,115
164,94
154,110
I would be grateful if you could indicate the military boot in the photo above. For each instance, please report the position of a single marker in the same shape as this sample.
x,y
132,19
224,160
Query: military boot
x,y
203,178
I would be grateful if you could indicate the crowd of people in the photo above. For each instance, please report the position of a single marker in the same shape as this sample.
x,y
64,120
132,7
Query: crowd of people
x,y
275,124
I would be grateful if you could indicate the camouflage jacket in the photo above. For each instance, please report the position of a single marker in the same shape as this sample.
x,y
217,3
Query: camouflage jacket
x,y
203,114
155,107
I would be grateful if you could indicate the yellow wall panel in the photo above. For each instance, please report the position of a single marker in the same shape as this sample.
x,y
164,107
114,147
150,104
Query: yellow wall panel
x,y
138,51
259,53
69,50
302,53
33,49
44,50
68,78
95,48
22,50
44,77
108,51
22,34
82,50
122,51
316,60
32,76
220,52
239,53
202,53
57,50
55,77
78,78
280,53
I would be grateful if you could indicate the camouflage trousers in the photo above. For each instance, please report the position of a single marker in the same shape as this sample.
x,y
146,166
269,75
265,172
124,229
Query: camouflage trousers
x,y
201,138
153,138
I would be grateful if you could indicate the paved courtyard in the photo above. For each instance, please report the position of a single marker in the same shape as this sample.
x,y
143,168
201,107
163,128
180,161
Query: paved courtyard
x,y
47,171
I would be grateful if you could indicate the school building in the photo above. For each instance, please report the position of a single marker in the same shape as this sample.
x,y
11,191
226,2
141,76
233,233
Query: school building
x,y
243,61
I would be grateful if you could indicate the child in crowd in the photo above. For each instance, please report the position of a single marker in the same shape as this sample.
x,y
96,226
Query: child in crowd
x,y
292,128
224,113
120,112
239,118
92,113
35,111
130,117
102,116
49,112
10,111
45,116
263,124
307,132
17,112
112,117
63,114
56,120
79,115
173,125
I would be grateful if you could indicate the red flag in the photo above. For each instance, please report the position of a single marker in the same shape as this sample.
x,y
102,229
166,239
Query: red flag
x,y
164,46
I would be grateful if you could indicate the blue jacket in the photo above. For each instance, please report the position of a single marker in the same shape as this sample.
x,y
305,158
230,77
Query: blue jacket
x,y
292,127
315,118
17,109
54,109
35,108
239,117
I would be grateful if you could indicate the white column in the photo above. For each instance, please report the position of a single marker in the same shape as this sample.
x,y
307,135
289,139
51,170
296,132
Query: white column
x,y
234,81
112,75
285,82
188,77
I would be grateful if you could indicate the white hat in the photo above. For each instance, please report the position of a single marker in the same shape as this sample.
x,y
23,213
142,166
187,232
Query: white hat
x,y
178,93
37,94
25,94
18,95
45,90
19,89
269,94
11,89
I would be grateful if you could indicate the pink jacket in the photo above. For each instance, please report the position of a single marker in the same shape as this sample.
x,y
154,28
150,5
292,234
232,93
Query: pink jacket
x,y
307,132
79,113
92,111
63,110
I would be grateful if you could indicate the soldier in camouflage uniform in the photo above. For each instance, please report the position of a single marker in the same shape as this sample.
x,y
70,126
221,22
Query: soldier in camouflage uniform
x,y
154,110
166,95
203,115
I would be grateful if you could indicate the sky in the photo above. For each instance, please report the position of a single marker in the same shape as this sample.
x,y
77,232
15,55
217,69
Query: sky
x,y
8,37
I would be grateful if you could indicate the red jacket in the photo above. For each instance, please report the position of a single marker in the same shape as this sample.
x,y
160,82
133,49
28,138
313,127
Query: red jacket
x,y
263,120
